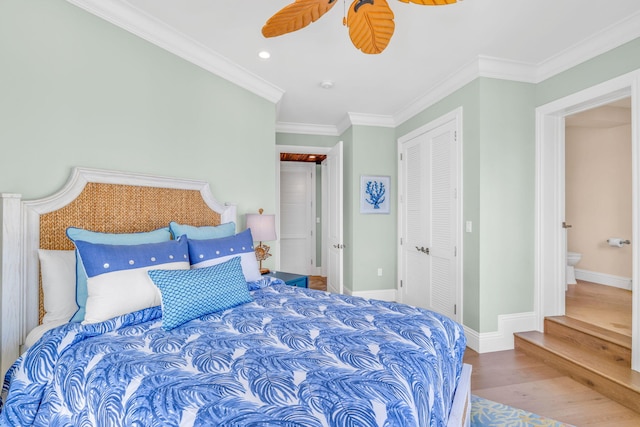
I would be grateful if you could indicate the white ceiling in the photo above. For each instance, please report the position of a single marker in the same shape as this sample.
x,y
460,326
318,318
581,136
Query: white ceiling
x,y
435,49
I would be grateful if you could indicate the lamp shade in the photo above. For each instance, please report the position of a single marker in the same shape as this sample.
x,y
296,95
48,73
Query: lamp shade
x,y
263,227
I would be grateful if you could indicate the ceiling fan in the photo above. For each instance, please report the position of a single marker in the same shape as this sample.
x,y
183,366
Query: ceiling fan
x,y
370,22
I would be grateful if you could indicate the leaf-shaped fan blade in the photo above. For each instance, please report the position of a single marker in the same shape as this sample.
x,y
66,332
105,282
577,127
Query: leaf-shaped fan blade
x,y
430,2
370,25
295,16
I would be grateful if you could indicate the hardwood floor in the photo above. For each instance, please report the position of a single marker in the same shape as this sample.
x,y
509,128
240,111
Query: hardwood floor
x,y
318,282
514,378
600,305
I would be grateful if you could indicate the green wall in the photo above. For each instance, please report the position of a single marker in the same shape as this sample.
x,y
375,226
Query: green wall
x,y
507,199
611,64
306,140
78,91
373,238
498,185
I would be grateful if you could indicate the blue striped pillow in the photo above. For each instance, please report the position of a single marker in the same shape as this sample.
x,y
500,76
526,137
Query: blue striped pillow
x,y
205,253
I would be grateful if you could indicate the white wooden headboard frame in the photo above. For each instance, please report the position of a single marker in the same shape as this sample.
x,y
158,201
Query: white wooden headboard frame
x,y
19,239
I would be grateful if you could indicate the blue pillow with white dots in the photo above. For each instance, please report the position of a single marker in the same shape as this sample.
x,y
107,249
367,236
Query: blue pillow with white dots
x,y
189,294
117,280
74,234
205,253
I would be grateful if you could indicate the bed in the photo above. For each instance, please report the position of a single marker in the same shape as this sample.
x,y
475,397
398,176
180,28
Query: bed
x,y
258,352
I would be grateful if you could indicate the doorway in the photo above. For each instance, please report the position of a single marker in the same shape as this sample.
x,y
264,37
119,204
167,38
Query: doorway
x,y
598,215
550,236
331,217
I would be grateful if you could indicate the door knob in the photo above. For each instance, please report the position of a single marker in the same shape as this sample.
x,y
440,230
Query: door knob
x,y
565,225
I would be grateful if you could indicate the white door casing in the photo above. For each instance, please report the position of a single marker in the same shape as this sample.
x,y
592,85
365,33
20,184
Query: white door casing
x,y
429,216
550,237
334,222
297,217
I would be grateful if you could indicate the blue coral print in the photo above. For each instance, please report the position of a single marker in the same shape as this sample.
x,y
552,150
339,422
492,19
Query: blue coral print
x,y
291,357
375,193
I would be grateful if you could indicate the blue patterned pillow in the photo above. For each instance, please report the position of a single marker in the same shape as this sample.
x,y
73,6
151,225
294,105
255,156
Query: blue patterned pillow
x,y
204,232
117,280
74,233
189,294
205,253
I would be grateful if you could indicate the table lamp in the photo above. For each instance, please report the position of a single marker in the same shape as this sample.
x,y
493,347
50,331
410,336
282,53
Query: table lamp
x,y
263,228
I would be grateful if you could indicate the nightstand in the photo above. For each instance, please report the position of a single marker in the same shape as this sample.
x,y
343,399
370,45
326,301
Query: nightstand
x,y
291,279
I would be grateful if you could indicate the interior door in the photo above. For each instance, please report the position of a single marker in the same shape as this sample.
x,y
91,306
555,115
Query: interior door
x,y
429,220
297,208
332,170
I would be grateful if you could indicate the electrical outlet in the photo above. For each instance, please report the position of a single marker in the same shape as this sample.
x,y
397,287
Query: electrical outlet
x,y
469,227
379,272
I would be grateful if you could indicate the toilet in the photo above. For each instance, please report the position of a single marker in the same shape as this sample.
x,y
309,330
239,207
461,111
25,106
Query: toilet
x,y
572,259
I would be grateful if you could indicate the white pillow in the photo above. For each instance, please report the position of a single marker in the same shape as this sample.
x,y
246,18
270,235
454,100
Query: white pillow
x,y
58,272
117,279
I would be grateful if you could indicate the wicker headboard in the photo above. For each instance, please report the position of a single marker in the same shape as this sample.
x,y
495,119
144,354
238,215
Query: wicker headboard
x,y
98,200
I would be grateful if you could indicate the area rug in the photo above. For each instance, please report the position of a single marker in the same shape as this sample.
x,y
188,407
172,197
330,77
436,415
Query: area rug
x,y
486,413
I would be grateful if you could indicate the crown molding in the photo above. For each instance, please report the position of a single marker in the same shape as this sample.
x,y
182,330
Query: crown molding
x,y
124,15
439,91
482,66
130,18
485,66
603,41
344,124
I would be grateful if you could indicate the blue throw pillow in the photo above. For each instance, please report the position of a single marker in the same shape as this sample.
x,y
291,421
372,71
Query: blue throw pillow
x,y
189,294
204,232
118,282
155,236
204,253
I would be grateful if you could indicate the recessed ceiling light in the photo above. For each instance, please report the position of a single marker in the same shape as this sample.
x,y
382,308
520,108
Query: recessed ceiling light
x,y
326,84
263,54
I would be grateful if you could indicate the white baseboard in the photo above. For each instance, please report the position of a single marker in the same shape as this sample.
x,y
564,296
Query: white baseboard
x,y
502,339
383,294
604,279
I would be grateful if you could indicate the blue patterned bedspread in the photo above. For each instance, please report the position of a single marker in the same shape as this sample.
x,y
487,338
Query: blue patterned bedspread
x,y
292,357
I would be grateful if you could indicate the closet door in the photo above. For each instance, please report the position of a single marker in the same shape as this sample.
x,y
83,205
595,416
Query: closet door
x,y
428,220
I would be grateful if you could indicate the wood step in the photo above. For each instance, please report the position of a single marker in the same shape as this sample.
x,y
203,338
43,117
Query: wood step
x,y
609,344
607,377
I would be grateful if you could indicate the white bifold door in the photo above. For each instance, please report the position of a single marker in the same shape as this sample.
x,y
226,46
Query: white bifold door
x,y
428,220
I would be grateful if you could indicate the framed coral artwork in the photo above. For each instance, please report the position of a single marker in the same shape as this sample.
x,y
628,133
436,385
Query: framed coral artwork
x,y
374,194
